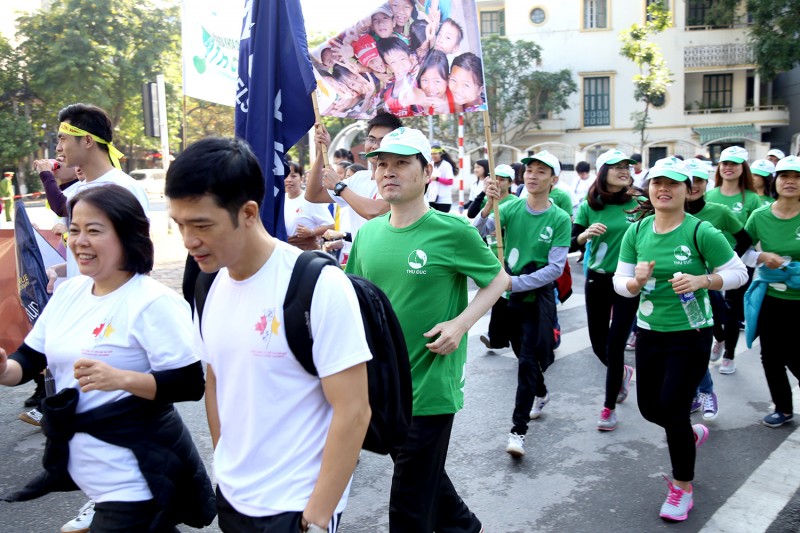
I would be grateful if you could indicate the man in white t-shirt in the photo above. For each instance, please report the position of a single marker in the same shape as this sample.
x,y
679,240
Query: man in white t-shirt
x,y
286,442
358,192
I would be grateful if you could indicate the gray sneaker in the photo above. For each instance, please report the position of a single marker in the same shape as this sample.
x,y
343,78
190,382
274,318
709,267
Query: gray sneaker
x,y
608,420
717,350
728,366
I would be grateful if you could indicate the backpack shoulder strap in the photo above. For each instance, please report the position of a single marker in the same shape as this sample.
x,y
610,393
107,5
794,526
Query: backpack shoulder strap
x,y
201,287
297,305
697,246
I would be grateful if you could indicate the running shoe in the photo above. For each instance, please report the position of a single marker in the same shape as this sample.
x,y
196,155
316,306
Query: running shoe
x,y
700,434
516,445
678,504
81,523
631,344
697,402
728,366
710,406
36,398
776,419
538,405
717,350
486,342
32,417
608,420
627,372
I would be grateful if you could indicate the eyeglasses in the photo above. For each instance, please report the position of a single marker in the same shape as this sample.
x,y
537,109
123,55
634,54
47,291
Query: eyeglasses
x,y
621,166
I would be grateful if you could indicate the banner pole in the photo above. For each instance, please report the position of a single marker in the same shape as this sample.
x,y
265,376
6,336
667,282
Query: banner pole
x,y
490,154
318,119
461,163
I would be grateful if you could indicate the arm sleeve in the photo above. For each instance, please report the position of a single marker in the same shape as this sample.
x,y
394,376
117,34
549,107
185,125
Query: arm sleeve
x,y
445,173
750,257
556,259
733,274
577,229
485,226
31,361
624,272
743,242
56,198
185,384
476,205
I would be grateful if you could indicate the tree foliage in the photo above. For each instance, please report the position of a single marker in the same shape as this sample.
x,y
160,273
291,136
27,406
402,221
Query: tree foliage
x,y
518,93
654,77
774,35
16,139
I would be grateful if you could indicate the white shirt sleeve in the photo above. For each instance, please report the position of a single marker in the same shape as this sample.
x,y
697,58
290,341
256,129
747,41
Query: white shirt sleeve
x,y
625,271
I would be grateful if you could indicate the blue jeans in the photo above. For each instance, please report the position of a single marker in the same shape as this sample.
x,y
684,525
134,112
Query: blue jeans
x,y
706,384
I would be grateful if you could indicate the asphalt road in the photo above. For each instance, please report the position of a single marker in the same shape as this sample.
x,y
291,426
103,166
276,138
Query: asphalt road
x,y
573,478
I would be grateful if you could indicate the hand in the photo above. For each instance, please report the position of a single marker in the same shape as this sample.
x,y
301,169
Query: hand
x,y
332,235
330,178
594,230
321,135
771,260
643,271
304,232
450,335
42,165
491,189
96,375
59,229
330,246
688,283
52,276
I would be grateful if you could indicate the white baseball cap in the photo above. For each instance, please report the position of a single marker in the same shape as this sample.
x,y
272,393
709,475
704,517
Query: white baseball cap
x,y
504,171
612,157
734,154
763,167
697,168
547,158
777,153
672,168
404,141
791,162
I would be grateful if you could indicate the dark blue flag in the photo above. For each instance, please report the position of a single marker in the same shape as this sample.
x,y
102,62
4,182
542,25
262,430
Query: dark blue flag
x,y
273,94
31,272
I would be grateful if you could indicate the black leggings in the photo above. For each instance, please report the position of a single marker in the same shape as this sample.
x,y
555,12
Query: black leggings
x,y
776,322
669,366
608,340
735,299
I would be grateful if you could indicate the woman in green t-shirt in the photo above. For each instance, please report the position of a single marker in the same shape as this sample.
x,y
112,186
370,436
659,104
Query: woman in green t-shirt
x,y
734,189
763,180
603,219
672,353
776,229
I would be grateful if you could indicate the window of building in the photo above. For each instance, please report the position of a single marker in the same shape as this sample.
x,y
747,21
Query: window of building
x,y
709,13
718,91
595,14
538,16
492,23
597,101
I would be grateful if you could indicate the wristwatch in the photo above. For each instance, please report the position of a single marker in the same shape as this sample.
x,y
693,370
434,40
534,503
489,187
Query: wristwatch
x,y
338,188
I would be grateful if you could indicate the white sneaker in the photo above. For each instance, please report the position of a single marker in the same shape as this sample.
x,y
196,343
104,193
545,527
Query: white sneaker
x,y
516,445
538,405
81,523
32,417
728,366
717,350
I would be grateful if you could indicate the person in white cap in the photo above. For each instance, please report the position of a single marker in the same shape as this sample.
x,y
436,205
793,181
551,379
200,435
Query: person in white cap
x,y
536,241
763,177
663,260
775,155
776,231
603,219
734,189
561,197
421,258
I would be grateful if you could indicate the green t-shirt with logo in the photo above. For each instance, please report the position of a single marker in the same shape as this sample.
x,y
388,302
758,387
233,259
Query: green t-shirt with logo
x,y
741,209
562,199
491,239
765,199
423,269
605,248
660,308
723,219
780,237
529,237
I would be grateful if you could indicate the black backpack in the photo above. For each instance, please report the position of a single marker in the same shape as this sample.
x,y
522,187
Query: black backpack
x,y
388,372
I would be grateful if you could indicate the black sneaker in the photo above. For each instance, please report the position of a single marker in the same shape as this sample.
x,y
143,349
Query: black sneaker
x,y
35,399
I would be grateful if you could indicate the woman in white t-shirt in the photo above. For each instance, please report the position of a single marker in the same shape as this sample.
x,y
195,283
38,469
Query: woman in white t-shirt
x,y
118,345
305,222
481,171
440,189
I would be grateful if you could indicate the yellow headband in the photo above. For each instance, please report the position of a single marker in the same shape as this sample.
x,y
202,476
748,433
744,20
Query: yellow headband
x,y
113,153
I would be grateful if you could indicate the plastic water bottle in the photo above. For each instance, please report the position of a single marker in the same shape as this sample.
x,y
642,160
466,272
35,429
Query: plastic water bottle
x,y
692,308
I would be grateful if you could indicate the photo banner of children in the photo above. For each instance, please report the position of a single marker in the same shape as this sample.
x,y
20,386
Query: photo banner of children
x,y
406,57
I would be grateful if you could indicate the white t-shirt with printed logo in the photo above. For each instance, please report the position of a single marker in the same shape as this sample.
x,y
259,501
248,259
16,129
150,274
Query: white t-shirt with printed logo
x,y
300,212
274,417
142,326
362,184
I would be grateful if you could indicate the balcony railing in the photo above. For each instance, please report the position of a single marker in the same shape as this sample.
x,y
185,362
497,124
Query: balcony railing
x,y
746,109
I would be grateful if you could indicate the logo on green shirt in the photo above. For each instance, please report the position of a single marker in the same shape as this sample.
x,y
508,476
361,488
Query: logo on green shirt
x,y
797,233
682,253
737,207
546,235
417,260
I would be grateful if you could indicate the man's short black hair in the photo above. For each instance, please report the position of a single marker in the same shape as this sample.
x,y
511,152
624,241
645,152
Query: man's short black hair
x,y
224,168
637,157
129,220
582,167
384,118
91,119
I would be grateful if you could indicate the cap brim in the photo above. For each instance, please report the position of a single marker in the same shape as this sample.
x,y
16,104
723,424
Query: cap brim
x,y
527,160
616,160
671,174
504,176
795,168
737,160
398,149
762,173
700,175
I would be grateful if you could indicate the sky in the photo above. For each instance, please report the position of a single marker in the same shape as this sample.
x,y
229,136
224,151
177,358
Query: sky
x,y
325,16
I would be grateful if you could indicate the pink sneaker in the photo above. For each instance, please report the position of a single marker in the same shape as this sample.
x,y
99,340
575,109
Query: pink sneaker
x,y
678,504
622,395
700,434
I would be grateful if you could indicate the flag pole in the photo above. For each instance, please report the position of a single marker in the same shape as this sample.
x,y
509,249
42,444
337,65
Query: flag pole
x,y
488,134
318,119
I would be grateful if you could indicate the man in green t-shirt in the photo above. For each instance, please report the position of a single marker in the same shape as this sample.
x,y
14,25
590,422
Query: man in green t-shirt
x,y
421,258
7,193
536,237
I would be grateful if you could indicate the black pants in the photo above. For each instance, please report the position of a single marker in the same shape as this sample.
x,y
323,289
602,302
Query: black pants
x,y
603,304
776,328
735,300
423,499
669,366
125,517
445,208
531,333
498,324
232,521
